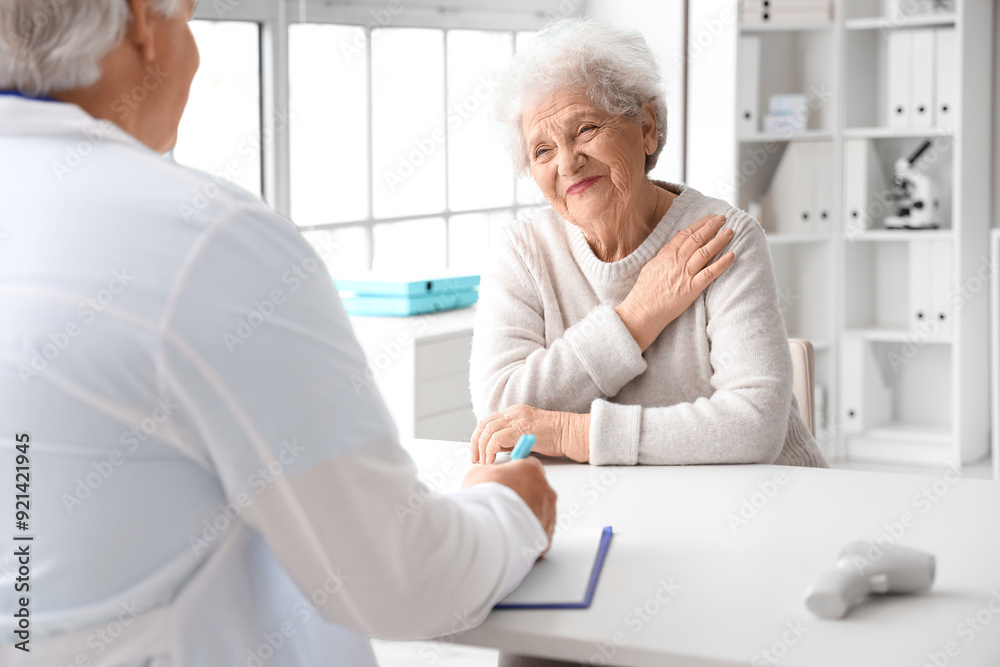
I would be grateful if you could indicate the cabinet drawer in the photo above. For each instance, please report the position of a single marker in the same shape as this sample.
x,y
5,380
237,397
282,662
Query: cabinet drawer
x,y
457,425
439,358
439,395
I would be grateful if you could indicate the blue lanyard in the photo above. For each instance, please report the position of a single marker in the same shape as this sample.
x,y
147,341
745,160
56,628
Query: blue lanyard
x,y
17,93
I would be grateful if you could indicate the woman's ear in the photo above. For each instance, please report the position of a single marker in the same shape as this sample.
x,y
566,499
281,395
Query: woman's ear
x,y
650,135
140,31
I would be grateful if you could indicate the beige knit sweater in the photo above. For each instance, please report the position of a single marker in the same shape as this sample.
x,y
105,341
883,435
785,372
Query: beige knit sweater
x,y
715,387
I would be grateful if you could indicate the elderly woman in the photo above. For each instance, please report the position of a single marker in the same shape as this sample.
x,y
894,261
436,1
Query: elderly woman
x,y
605,327
201,496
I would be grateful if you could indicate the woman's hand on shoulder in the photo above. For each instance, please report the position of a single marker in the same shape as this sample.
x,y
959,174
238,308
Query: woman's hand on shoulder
x,y
556,433
670,282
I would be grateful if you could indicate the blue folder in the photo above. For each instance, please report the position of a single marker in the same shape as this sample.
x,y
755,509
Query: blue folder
x,y
595,575
369,286
404,306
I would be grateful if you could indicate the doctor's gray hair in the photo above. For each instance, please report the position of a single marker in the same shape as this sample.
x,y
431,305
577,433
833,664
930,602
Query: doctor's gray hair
x,y
614,68
52,45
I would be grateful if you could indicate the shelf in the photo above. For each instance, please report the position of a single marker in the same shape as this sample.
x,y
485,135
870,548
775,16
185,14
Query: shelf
x,y
779,239
910,442
896,132
800,135
894,335
883,23
785,27
902,235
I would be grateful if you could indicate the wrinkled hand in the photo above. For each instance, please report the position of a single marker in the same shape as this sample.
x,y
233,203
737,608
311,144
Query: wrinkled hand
x,y
556,433
670,282
527,478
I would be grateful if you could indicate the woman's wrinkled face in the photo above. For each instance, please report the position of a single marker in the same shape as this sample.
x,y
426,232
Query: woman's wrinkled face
x,y
588,163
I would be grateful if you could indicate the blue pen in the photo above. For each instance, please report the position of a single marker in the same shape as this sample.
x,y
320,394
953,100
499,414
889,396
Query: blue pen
x,y
523,447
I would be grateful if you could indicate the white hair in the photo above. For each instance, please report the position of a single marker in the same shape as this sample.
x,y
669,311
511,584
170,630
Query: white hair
x,y
615,68
52,45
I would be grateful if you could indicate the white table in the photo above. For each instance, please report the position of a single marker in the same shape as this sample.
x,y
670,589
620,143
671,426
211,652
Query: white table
x,y
740,585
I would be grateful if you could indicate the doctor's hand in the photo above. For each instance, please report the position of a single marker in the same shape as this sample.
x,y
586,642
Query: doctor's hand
x,y
527,478
556,433
670,282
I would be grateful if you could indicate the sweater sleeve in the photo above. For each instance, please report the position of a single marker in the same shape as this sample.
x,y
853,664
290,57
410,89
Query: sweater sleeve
x,y
745,420
511,362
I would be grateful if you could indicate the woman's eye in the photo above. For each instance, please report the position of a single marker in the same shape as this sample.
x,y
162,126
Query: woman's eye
x,y
540,151
587,128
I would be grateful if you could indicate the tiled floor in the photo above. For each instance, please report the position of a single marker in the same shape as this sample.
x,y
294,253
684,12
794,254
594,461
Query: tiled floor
x,y
428,654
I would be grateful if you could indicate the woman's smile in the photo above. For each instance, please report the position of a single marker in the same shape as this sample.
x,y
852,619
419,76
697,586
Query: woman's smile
x,y
580,186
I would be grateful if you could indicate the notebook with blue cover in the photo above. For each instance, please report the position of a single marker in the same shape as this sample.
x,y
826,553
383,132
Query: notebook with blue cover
x,y
403,306
566,577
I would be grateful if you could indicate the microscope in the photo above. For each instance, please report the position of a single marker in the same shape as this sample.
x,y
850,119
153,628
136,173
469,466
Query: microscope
x,y
917,203
857,574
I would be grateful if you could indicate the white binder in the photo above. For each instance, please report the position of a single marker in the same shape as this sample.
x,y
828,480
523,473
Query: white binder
x,y
790,194
822,185
942,310
946,77
922,310
922,75
898,78
748,87
865,400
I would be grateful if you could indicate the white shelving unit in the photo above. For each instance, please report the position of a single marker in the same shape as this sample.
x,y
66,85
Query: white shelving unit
x,y
901,355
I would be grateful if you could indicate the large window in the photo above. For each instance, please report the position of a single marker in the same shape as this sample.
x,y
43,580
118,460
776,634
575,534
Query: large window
x,y
396,162
390,159
220,131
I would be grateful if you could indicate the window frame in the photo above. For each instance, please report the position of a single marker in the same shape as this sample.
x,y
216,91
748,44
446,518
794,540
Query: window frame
x,y
274,19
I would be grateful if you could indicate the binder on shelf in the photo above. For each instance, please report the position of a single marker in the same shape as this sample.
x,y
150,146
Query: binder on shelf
x,y
748,86
898,78
821,159
866,400
945,77
757,12
864,182
921,308
941,284
922,72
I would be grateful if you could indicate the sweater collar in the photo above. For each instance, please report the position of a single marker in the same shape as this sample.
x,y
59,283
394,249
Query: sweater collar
x,y
630,266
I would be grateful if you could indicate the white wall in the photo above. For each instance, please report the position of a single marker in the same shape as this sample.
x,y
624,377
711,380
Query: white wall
x,y
662,24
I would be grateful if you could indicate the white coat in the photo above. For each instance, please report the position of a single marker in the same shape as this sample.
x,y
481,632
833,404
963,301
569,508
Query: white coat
x,y
211,484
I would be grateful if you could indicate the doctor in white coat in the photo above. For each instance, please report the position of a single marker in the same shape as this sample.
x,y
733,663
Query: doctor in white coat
x,y
207,485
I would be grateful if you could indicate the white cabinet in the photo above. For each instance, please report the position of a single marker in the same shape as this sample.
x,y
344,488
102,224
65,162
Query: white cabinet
x,y
421,367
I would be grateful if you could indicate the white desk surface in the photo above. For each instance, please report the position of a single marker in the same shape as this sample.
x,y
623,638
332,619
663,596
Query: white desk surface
x,y
740,592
